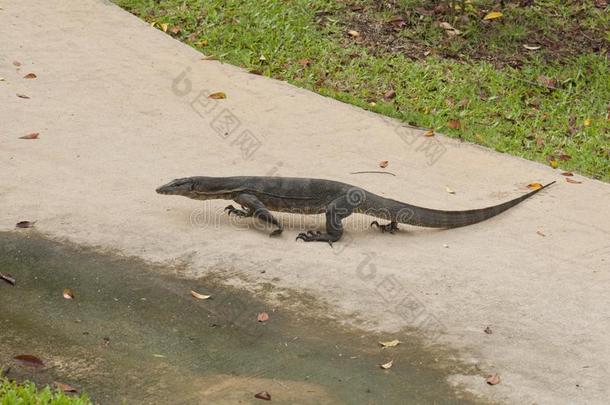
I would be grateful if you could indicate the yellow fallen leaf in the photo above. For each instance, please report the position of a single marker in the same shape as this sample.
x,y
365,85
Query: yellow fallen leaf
x,y
387,365
391,343
209,57
218,95
534,186
450,191
587,122
164,27
262,317
372,104
199,296
553,163
152,24
493,15
429,133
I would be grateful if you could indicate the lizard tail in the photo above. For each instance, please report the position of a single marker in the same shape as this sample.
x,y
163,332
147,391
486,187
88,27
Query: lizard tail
x,y
419,216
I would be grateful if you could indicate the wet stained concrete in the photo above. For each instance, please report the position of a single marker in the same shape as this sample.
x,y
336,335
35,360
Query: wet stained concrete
x,y
134,334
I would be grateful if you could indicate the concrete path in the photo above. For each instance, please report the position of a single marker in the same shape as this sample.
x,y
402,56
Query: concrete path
x,y
121,108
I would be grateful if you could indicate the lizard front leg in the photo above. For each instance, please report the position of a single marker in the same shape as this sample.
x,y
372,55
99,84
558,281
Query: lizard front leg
x,y
336,211
254,207
244,213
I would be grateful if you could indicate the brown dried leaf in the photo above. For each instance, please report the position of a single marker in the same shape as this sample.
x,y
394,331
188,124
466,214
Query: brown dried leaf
x,y
563,157
391,343
390,94
263,395
304,62
547,82
29,360
569,180
262,317
255,72
454,124
30,76
218,95
65,387
387,365
493,379
534,186
8,278
33,135
25,224
22,96
569,174
68,294
199,296
383,164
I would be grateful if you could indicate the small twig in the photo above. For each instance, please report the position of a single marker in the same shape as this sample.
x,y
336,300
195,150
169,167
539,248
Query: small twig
x,y
374,171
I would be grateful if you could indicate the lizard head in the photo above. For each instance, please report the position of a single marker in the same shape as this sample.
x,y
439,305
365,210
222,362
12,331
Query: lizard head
x,y
199,188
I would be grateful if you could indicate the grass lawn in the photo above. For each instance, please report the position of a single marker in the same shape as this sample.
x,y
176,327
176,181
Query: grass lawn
x,y
27,394
534,82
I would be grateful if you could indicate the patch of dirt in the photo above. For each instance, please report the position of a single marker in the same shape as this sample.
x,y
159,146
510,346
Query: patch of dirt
x,y
416,32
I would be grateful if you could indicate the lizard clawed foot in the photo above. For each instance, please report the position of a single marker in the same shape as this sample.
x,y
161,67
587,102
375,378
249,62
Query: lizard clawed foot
x,y
315,236
392,227
232,210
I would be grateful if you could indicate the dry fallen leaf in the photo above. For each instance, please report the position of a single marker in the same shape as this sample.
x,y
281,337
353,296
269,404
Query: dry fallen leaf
x,y
454,124
175,30
33,135
29,360
262,317
390,94
429,133
531,48
547,82
8,278
209,57
387,365
449,190
68,294
263,395
541,233
534,186
30,76
304,62
569,174
199,296
22,96
353,33
25,224
164,27
493,15
449,29
383,164
564,157
218,95
493,379
391,343
553,163
569,180
64,387
587,122
488,330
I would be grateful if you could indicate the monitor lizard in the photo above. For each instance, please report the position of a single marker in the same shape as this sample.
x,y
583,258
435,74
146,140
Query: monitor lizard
x,y
260,195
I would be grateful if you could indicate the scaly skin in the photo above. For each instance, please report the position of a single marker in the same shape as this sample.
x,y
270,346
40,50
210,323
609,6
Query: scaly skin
x,y
260,195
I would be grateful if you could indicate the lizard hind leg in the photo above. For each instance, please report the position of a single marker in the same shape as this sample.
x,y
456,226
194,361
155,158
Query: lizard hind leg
x,y
392,227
